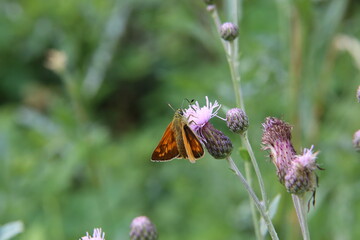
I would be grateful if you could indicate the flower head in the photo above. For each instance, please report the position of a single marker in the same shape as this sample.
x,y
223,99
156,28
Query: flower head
x,y
301,177
142,228
229,31
237,120
97,235
216,142
296,172
198,116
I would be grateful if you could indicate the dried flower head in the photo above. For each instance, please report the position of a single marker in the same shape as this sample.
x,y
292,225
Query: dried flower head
x,y
356,140
142,228
217,144
277,138
229,31
296,172
237,120
97,235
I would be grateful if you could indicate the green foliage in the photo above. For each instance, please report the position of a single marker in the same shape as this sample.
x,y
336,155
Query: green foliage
x,y
70,161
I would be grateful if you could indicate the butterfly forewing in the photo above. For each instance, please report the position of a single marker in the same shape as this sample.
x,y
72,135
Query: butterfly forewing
x,y
192,144
167,147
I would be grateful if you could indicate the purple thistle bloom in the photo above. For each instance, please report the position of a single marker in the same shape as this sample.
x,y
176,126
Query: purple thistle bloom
x,y
97,235
216,142
296,172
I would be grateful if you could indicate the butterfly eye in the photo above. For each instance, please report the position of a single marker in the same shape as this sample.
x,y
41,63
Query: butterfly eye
x,y
181,112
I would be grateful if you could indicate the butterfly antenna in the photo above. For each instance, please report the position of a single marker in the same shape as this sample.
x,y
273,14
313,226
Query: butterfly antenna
x,y
171,107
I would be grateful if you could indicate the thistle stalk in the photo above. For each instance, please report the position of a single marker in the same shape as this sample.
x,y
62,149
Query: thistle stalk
x,y
299,203
255,199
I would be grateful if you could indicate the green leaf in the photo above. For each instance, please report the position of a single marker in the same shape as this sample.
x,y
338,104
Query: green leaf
x,y
244,154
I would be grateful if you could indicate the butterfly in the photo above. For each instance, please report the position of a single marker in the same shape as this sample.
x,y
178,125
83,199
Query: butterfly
x,y
178,141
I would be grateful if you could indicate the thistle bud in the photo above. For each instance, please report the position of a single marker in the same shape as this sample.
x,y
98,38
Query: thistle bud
x,y
229,31
142,228
356,140
236,120
301,177
218,144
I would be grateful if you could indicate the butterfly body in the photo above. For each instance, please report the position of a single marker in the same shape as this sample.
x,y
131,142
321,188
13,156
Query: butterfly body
x,y
178,141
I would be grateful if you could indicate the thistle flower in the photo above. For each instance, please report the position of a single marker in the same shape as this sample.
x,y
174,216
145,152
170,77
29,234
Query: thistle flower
x,y
237,120
142,228
229,31
300,177
296,172
356,140
97,235
216,142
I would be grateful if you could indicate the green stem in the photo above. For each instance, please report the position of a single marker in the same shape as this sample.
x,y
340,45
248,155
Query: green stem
x,y
256,168
255,199
252,205
299,203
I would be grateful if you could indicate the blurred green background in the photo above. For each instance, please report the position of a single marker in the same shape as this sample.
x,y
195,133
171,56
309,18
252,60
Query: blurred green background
x,y
76,140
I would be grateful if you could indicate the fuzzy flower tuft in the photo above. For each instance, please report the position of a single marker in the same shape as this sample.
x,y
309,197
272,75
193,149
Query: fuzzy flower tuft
x,y
198,116
97,235
296,172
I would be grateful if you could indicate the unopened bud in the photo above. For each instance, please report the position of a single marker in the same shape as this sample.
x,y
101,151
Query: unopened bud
x,y
217,143
142,228
229,31
236,120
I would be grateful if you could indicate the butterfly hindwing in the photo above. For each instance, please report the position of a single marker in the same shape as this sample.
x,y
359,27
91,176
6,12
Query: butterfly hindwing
x,y
167,147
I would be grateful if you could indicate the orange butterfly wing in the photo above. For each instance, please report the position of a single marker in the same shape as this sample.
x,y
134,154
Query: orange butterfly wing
x,y
193,147
167,148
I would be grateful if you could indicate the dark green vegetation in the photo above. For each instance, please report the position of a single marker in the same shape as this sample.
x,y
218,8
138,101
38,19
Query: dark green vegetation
x,y
74,156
